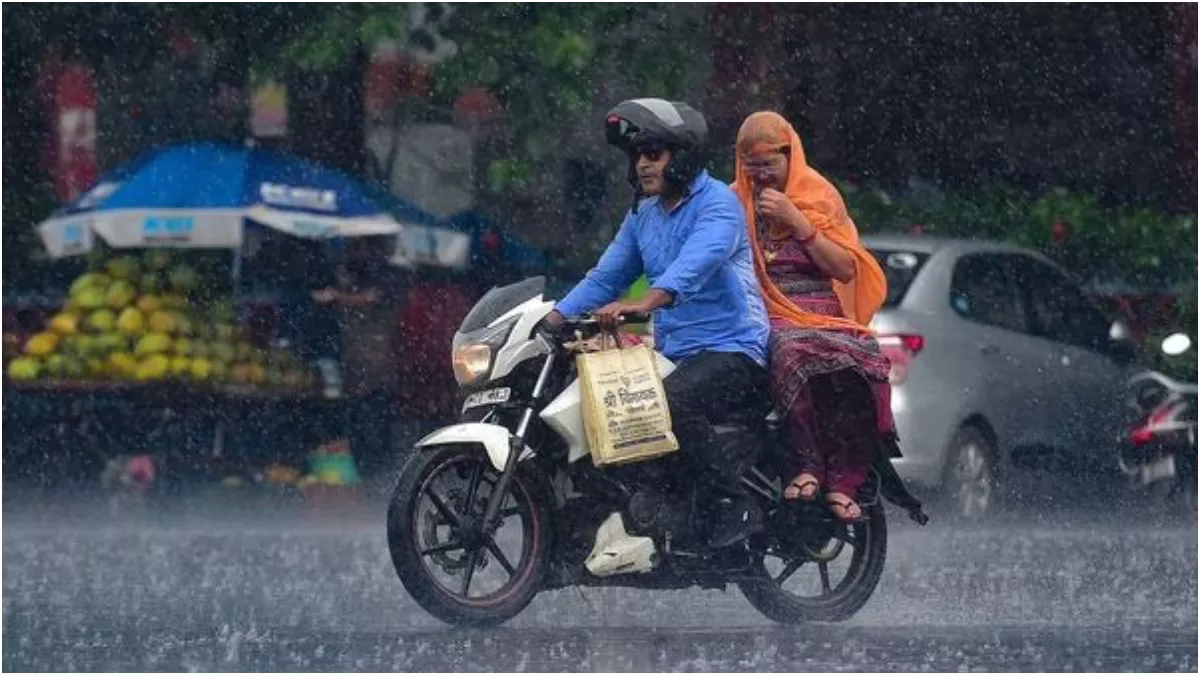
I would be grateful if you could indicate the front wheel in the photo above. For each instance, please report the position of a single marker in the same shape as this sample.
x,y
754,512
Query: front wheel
x,y
449,563
828,576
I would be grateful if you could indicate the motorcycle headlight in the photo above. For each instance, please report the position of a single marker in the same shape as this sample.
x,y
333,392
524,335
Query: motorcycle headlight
x,y
471,362
472,352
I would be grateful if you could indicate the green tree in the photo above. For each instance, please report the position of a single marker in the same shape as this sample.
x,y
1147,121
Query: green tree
x,y
544,61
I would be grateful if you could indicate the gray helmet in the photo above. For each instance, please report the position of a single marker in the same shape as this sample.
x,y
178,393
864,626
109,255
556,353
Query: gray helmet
x,y
638,123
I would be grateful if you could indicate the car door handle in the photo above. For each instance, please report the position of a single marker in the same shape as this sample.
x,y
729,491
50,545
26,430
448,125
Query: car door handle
x,y
989,349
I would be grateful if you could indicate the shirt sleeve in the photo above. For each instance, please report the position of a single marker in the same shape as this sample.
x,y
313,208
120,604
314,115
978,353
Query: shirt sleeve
x,y
712,241
618,268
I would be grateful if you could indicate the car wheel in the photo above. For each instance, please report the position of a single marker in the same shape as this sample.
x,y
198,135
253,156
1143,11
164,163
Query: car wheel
x,y
971,485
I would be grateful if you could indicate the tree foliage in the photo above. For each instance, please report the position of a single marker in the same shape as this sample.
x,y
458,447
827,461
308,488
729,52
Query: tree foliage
x,y
1135,245
544,63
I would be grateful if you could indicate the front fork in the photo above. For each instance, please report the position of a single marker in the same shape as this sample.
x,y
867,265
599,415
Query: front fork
x,y
516,445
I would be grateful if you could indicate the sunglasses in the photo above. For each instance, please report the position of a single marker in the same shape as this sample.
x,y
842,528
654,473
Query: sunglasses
x,y
651,151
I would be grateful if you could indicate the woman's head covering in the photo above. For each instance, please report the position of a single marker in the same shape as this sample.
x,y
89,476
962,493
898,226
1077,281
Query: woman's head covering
x,y
819,201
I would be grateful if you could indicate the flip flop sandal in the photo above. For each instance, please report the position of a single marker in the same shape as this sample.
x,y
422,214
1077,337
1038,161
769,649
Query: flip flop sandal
x,y
845,505
800,485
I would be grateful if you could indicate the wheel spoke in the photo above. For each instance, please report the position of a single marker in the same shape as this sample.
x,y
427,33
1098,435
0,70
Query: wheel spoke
x,y
443,509
510,512
452,545
824,569
469,572
473,487
788,571
498,554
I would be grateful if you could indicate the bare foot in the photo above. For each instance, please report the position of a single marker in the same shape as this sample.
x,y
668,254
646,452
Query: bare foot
x,y
803,487
844,508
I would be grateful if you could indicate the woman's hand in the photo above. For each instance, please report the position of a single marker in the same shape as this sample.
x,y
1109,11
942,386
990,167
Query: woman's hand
x,y
775,205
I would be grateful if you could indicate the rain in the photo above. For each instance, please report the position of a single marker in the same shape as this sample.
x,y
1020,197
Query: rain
x,y
285,390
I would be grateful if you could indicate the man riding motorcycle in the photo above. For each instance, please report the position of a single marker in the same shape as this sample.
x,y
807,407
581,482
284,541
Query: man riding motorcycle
x,y
687,233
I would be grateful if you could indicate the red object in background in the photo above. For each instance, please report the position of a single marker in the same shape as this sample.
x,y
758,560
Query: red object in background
x,y
431,314
900,350
916,229
492,242
1060,231
67,90
476,104
391,76
141,471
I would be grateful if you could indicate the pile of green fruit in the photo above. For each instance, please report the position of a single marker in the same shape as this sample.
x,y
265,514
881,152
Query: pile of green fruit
x,y
132,319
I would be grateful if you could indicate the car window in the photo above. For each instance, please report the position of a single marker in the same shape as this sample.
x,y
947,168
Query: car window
x,y
1059,309
981,290
900,267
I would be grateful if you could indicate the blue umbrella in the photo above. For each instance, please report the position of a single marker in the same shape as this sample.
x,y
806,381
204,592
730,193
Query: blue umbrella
x,y
198,195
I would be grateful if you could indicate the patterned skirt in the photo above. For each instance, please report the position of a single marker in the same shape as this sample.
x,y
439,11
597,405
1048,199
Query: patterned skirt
x,y
833,388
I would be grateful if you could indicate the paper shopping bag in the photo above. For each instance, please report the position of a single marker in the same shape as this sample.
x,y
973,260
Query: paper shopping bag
x,y
624,406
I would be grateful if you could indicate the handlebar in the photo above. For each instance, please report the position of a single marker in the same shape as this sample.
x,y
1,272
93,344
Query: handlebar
x,y
588,327
587,320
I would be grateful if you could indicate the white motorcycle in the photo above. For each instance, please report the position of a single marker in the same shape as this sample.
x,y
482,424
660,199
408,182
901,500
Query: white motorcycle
x,y
507,503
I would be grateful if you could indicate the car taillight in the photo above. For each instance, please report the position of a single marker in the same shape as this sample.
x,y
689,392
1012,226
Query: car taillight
x,y
1141,436
900,350
1144,433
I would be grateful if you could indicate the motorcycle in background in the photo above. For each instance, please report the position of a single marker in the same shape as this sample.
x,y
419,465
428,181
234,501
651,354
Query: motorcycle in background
x,y
1159,451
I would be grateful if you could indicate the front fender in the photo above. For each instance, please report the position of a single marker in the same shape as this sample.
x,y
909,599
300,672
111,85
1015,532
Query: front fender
x,y
494,438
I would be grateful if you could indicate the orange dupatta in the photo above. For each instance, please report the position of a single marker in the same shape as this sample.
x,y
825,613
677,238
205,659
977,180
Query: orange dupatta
x,y
821,204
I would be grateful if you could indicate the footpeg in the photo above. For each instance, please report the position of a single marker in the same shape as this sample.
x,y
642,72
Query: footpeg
x,y
617,552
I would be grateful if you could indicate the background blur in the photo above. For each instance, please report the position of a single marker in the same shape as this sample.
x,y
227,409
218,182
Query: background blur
x,y
964,116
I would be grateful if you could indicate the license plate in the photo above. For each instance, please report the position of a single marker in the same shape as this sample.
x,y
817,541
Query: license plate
x,y
489,397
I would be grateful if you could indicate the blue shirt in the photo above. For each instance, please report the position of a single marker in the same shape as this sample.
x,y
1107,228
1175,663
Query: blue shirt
x,y
699,252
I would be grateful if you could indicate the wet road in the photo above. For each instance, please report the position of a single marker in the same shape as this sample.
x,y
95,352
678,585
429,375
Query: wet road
x,y
219,590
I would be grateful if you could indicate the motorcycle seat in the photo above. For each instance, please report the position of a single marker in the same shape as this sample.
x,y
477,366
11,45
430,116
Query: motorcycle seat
x,y
749,419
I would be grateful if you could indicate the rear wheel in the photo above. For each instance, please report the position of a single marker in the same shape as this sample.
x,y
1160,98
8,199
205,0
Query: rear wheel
x,y
448,562
828,576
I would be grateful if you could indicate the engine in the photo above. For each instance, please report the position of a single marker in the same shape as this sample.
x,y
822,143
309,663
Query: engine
x,y
654,512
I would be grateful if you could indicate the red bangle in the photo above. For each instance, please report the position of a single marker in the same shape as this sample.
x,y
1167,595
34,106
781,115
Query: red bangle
x,y
809,239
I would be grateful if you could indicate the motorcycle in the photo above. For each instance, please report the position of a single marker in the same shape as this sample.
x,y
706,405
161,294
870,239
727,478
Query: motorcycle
x,y
1160,448
506,503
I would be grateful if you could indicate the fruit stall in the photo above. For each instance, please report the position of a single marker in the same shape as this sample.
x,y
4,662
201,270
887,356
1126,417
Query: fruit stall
x,y
146,355
143,357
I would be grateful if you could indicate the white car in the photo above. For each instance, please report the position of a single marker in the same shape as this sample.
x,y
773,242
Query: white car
x,y
1000,361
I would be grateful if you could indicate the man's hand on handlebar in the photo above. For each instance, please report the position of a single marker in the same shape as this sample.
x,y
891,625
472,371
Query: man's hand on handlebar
x,y
610,315
614,314
554,320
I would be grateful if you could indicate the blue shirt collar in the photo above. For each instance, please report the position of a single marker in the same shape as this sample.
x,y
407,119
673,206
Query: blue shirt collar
x,y
699,184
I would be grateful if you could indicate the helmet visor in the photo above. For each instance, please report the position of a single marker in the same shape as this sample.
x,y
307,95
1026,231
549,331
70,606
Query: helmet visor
x,y
620,131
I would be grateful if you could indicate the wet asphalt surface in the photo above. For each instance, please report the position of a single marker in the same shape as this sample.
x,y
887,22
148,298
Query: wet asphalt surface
x,y
219,584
